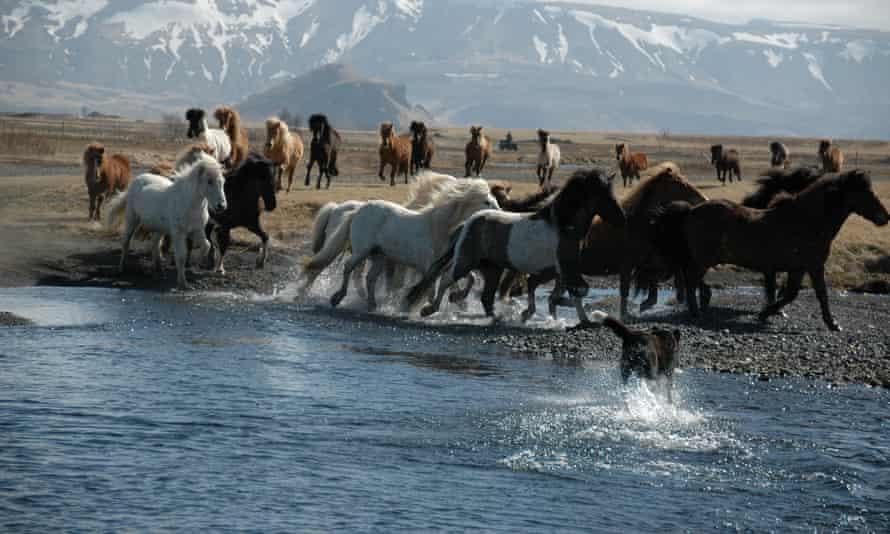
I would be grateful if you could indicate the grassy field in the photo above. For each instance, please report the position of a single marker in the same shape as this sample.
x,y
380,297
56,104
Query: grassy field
x,y
41,201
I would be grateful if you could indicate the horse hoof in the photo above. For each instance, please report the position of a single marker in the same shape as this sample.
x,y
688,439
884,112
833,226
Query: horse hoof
x,y
526,315
834,327
427,310
335,300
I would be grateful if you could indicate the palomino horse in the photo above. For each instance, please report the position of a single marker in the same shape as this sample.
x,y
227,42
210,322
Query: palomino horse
x,y
794,236
395,233
283,148
630,163
478,150
780,156
831,157
628,251
323,149
253,180
103,176
230,122
548,158
492,241
422,148
395,151
177,208
727,163
217,139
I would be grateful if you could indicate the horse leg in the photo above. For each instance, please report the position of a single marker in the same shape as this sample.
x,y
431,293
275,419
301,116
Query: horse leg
x,y
508,282
263,253
221,238
99,199
129,229
392,174
378,265
792,287
540,176
290,176
180,251
380,171
651,298
92,206
156,254
492,276
624,290
533,282
445,282
354,261
817,276
467,166
769,287
556,296
461,295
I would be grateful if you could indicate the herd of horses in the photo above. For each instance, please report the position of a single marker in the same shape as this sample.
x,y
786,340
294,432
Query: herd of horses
x,y
451,231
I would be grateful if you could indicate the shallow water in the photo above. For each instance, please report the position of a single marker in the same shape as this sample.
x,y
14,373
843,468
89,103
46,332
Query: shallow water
x,y
163,411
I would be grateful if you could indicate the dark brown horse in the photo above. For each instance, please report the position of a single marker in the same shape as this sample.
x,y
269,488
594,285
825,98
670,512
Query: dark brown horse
x,y
323,149
831,157
422,148
492,241
103,176
727,162
395,151
793,236
478,150
630,164
780,156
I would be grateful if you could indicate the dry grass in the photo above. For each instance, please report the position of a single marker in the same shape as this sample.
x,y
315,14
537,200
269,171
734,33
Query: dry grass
x,y
860,253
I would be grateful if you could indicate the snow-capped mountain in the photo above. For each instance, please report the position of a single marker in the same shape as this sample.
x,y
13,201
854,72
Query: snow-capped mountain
x,y
512,63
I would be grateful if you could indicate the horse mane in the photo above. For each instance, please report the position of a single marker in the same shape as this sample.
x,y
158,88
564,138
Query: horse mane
x,y
572,188
423,190
824,145
203,161
823,187
635,202
460,191
192,154
196,113
231,122
776,181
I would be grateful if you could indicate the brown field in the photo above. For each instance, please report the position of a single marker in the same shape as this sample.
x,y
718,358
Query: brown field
x,y
43,201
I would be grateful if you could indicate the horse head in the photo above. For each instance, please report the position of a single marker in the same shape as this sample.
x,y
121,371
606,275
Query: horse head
x,y
262,171
197,124
93,155
318,123
619,150
210,182
273,132
476,134
386,134
716,153
586,194
860,198
824,146
543,138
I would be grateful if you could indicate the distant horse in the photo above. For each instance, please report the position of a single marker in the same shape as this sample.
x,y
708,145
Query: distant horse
x,y
177,208
726,162
230,122
422,148
630,163
217,139
188,156
832,157
492,241
283,148
323,149
780,156
395,233
478,150
628,251
772,189
548,158
253,180
395,151
793,236
103,176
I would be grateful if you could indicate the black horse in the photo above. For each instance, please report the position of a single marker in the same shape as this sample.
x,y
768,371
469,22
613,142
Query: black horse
x,y
245,186
323,150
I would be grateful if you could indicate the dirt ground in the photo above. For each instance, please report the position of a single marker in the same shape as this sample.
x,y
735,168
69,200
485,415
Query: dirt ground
x,y
48,240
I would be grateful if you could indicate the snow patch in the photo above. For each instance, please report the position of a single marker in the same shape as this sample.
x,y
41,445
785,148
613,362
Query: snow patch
x,y
207,73
310,33
363,23
858,50
773,58
563,48
58,13
540,16
410,8
541,47
816,70
790,41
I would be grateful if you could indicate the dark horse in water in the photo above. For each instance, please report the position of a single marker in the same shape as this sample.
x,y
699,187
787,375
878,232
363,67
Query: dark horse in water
x,y
793,236
493,241
251,181
323,149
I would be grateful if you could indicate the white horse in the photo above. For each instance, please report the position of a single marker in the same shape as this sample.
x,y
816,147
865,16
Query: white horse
x,y
216,139
548,158
423,192
177,208
395,233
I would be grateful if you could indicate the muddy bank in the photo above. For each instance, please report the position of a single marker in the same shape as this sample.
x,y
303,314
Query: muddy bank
x,y
11,319
730,339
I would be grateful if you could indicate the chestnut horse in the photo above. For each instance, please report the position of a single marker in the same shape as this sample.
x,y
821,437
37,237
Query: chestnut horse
x,y
230,122
395,151
323,149
793,236
629,163
104,175
283,148
832,157
422,148
478,151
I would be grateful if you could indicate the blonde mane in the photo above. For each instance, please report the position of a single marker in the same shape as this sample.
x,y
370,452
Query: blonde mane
x,y
424,187
279,151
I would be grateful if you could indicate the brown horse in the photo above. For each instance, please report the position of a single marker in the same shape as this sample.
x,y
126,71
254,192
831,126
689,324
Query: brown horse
x,y
628,251
726,162
832,157
189,156
323,149
780,156
283,148
478,151
794,236
230,122
395,151
629,163
422,148
104,175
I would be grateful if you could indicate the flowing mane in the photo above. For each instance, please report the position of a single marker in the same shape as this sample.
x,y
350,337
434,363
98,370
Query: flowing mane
x,y
777,181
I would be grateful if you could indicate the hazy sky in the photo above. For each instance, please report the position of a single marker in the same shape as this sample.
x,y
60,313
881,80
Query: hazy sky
x,y
858,13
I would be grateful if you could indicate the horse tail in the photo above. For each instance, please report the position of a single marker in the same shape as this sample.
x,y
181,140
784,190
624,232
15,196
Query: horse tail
x,y
432,274
616,326
115,210
319,227
333,245
668,233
